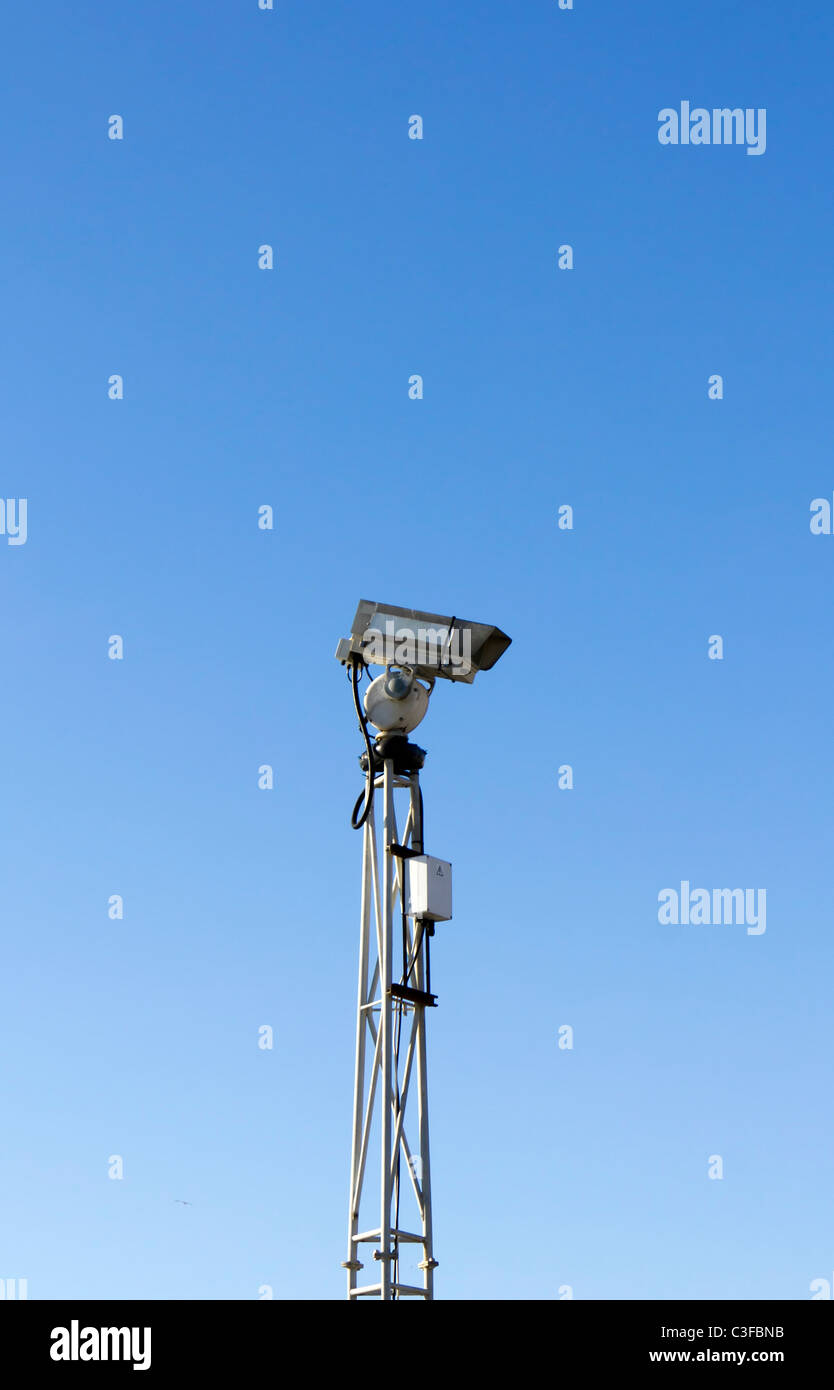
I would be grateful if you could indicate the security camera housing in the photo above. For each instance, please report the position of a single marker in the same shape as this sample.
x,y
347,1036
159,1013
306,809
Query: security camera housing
x,y
428,643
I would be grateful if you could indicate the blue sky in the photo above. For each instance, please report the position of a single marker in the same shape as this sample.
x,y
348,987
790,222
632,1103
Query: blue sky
x,y
542,387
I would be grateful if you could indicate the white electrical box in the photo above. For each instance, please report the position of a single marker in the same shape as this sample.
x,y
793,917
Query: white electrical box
x,y
428,888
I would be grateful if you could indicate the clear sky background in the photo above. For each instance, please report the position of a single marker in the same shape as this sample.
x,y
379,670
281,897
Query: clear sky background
x,y
589,1167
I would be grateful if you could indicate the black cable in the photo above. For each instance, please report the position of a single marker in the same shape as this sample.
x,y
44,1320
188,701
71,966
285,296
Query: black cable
x,y
415,957
449,638
365,799
418,840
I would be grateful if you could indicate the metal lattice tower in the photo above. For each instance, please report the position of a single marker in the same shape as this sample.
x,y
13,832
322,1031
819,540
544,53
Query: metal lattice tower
x,y
390,1107
404,892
